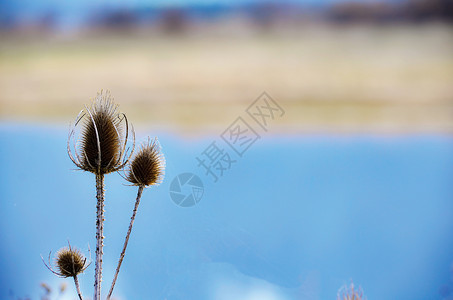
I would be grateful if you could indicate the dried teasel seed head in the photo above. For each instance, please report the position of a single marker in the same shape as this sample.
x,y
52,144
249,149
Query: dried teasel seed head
x,y
350,293
101,147
147,166
70,262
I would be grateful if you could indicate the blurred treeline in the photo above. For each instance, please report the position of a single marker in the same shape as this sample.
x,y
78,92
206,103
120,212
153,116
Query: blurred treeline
x,y
263,14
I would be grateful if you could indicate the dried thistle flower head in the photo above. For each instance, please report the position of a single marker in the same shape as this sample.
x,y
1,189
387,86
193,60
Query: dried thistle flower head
x,y
46,288
69,262
148,165
350,293
104,136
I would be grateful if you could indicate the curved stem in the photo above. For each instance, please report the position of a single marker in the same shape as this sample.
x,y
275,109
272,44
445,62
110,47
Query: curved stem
x,y
76,281
99,235
120,261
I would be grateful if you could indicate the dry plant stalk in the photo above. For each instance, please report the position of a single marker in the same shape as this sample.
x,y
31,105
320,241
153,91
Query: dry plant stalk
x,y
146,169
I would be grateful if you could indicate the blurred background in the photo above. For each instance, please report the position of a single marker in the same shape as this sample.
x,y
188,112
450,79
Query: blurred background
x,y
351,183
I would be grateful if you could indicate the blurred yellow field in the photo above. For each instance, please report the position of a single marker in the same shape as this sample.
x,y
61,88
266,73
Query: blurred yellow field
x,y
344,79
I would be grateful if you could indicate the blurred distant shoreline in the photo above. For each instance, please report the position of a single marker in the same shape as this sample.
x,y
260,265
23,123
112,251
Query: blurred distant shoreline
x,y
335,66
328,79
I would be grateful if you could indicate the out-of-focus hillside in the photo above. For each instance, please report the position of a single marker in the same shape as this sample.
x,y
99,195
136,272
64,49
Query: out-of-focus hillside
x,y
328,79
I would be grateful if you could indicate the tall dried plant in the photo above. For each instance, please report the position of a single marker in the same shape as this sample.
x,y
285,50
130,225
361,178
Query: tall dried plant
x,y
100,148
99,143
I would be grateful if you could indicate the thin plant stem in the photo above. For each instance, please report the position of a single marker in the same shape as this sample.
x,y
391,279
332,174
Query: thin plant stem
x,y
99,235
76,281
120,261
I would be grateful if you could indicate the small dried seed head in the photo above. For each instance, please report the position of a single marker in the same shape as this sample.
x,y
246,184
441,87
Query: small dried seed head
x,y
101,148
70,262
350,293
148,165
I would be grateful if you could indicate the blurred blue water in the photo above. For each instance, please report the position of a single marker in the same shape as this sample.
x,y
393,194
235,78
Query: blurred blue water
x,y
296,218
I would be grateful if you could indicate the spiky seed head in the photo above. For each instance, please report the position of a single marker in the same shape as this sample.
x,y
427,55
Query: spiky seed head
x,y
70,262
350,293
148,165
46,288
101,148
101,127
